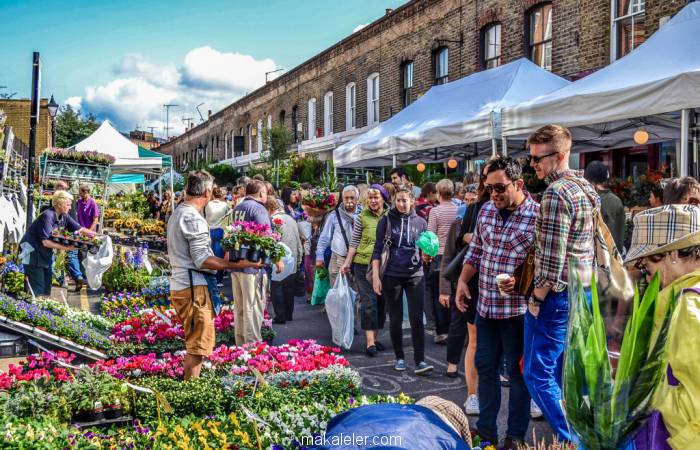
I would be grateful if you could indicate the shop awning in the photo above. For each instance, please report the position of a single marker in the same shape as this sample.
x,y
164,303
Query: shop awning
x,y
660,76
451,114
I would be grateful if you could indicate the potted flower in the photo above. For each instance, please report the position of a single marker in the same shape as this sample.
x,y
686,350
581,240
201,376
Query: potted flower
x,y
84,398
112,394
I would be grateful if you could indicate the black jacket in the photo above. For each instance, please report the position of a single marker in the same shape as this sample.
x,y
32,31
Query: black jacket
x,y
404,256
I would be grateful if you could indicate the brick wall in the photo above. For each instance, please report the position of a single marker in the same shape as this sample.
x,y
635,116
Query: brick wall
x,y
18,112
580,45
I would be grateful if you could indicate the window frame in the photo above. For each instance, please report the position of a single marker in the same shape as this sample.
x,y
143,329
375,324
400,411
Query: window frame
x,y
311,117
259,137
546,43
616,24
439,76
328,113
484,45
406,88
373,95
351,106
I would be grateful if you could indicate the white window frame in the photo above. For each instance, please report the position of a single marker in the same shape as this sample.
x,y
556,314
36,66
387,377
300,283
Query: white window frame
x,y
373,99
259,136
250,139
546,43
350,106
406,83
492,30
328,113
442,69
311,117
635,13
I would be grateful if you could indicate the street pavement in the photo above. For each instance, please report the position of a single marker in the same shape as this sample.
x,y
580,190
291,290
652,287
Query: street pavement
x,y
378,375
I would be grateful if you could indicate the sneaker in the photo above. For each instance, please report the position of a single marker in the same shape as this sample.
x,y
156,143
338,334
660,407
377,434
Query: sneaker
x,y
471,406
440,339
400,365
535,411
422,367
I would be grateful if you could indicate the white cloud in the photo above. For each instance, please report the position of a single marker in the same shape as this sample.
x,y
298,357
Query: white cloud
x,y
74,102
359,27
140,88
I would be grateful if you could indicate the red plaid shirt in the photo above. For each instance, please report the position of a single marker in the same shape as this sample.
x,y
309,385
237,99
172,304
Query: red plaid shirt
x,y
497,248
564,229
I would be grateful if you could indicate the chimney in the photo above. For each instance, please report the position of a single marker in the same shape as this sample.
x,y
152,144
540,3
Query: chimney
x,y
389,11
209,114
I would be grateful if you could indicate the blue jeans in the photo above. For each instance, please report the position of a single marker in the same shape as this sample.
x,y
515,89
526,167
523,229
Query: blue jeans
x,y
499,339
39,279
545,341
73,265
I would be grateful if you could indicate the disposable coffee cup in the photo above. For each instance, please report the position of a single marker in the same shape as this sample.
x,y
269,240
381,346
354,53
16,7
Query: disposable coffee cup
x,y
502,278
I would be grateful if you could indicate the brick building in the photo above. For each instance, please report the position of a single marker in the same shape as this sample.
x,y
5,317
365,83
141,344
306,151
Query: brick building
x,y
372,74
18,112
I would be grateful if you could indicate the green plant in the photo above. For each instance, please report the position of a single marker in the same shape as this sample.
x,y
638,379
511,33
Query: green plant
x,y
36,399
604,411
278,139
306,169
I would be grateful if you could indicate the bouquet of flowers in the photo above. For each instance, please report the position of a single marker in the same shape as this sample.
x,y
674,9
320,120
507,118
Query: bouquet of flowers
x,y
317,202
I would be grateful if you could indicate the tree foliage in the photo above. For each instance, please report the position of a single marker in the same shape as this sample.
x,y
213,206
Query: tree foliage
x,y
278,139
72,126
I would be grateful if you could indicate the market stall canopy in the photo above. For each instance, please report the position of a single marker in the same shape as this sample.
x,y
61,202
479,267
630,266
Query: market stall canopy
x,y
451,114
660,76
131,161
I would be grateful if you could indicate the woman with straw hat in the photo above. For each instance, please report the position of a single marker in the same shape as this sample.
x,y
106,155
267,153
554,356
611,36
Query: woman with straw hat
x,y
667,240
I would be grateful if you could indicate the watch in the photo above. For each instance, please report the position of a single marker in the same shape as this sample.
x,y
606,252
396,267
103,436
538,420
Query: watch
x,y
534,301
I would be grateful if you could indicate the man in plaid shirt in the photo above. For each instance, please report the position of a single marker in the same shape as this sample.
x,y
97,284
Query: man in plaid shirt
x,y
502,238
564,231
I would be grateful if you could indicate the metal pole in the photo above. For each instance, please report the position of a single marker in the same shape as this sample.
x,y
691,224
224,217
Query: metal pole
x,y
393,161
683,162
172,193
33,121
504,141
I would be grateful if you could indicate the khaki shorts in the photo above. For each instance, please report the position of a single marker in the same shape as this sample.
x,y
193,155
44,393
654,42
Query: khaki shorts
x,y
198,319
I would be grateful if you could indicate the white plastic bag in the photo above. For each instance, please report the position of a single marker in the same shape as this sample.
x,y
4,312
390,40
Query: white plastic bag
x,y
289,265
97,264
340,307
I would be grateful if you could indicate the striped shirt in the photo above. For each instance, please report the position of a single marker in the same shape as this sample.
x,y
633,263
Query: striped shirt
x,y
496,248
440,220
564,229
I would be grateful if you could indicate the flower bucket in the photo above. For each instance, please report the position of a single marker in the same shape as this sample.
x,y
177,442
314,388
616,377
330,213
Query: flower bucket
x,y
266,259
254,255
233,254
243,252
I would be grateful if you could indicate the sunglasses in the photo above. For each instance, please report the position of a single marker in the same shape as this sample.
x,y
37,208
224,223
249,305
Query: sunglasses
x,y
639,265
499,188
538,159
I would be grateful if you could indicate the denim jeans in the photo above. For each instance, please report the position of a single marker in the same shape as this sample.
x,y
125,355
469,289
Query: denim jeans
x,y
545,341
73,265
499,339
216,234
39,279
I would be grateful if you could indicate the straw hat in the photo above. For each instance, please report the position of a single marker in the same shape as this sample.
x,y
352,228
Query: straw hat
x,y
663,229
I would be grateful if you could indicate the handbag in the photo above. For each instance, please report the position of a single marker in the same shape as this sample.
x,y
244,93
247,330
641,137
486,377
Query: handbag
x,y
525,273
454,268
384,261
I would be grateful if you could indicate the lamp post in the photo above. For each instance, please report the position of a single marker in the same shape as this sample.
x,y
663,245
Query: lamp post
x,y
53,110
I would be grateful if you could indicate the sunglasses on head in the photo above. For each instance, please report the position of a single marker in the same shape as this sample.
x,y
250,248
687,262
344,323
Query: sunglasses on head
x,y
538,159
499,188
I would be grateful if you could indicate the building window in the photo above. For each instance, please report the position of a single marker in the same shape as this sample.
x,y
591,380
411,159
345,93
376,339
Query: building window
x,y
407,83
282,117
259,136
628,30
350,106
540,35
328,113
491,38
373,99
294,122
312,118
441,63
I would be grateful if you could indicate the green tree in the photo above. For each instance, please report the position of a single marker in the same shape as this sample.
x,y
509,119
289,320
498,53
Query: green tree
x,y
72,126
278,139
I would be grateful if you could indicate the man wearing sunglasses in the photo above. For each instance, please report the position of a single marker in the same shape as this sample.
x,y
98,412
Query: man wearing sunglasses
x,y
564,231
502,238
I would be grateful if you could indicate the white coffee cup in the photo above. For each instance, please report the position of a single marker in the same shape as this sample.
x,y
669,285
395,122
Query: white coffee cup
x,y
502,278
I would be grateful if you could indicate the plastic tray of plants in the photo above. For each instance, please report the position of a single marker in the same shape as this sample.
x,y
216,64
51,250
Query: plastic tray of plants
x,y
77,240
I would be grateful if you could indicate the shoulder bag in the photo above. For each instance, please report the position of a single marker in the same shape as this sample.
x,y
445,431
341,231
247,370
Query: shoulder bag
x,y
384,261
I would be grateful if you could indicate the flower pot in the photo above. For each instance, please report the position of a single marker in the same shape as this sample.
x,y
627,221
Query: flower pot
x,y
243,252
114,412
266,259
234,254
56,239
84,246
65,241
254,255
88,416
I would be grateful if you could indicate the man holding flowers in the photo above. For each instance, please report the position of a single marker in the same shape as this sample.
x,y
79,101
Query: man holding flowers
x,y
193,261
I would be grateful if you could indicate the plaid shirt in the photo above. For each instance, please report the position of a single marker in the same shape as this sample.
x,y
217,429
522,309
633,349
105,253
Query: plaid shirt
x,y
564,229
496,248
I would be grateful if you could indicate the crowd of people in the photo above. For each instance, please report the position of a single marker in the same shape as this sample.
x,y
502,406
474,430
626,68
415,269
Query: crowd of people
x,y
469,297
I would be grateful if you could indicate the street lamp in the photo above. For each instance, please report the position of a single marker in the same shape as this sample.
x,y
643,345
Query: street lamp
x,y
53,110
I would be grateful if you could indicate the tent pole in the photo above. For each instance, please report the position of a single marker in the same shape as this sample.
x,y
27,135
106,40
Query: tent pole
x,y
172,193
393,161
494,147
504,141
683,162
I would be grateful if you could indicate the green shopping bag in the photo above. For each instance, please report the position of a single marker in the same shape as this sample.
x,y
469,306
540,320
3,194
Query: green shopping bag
x,y
322,284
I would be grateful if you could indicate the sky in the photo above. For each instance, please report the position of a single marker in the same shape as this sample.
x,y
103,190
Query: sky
x,y
122,60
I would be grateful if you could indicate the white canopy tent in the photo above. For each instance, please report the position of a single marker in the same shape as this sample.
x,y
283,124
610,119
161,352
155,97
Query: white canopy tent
x,y
652,87
454,114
